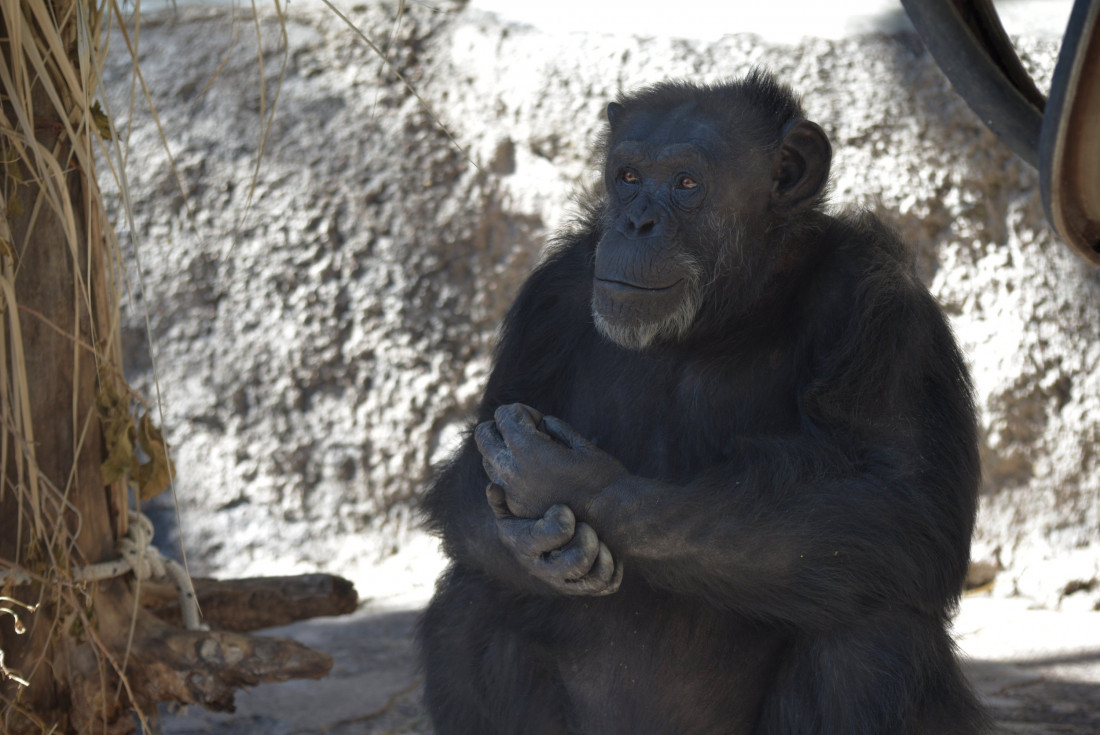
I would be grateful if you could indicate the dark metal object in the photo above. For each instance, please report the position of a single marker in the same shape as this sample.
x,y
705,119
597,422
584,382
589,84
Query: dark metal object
x,y
1060,137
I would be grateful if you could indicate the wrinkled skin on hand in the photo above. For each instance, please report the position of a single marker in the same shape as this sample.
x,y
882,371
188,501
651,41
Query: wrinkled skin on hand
x,y
556,549
540,461
541,471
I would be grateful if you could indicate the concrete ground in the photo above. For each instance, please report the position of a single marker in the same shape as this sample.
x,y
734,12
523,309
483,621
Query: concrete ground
x,y
1037,670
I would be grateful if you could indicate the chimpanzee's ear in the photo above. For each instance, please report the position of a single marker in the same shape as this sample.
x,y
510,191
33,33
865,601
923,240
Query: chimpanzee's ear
x,y
615,113
800,168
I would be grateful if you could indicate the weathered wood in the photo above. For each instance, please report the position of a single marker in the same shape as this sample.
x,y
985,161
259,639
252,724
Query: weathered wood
x,y
167,664
243,605
58,276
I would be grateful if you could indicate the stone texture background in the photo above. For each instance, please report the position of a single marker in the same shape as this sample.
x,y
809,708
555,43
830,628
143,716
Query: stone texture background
x,y
322,323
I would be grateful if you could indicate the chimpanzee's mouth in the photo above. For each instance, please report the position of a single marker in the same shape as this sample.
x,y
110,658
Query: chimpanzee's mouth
x,y
627,286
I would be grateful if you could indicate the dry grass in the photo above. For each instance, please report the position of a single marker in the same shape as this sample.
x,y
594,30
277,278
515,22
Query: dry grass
x,y
54,123
50,127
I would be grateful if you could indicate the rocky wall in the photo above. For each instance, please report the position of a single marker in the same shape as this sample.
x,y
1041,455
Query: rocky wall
x,y
322,322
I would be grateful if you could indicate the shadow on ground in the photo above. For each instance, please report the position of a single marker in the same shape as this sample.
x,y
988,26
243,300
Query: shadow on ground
x,y
374,686
1028,697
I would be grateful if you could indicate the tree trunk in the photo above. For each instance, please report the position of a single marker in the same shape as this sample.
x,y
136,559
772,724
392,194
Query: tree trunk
x,y
55,510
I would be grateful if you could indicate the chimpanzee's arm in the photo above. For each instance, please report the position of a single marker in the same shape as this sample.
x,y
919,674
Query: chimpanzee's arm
x,y
546,551
872,504
549,552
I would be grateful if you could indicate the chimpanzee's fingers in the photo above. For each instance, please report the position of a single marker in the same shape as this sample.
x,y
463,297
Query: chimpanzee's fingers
x,y
603,568
554,529
488,439
498,501
532,539
496,458
519,413
606,574
562,432
574,560
518,424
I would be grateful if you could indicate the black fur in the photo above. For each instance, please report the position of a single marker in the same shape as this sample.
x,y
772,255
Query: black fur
x,y
793,569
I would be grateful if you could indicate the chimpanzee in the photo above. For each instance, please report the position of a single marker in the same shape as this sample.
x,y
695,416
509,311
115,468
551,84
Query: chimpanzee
x,y
726,469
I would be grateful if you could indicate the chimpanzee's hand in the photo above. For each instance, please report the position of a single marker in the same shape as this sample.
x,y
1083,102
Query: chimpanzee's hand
x,y
541,461
564,554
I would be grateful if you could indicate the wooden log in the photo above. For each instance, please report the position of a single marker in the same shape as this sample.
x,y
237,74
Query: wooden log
x,y
166,664
243,605
196,667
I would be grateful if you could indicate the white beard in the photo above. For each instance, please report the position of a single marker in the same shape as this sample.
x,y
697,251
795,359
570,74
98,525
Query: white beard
x,y
637,336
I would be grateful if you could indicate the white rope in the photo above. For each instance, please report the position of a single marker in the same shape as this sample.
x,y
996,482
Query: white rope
x,y
138,555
